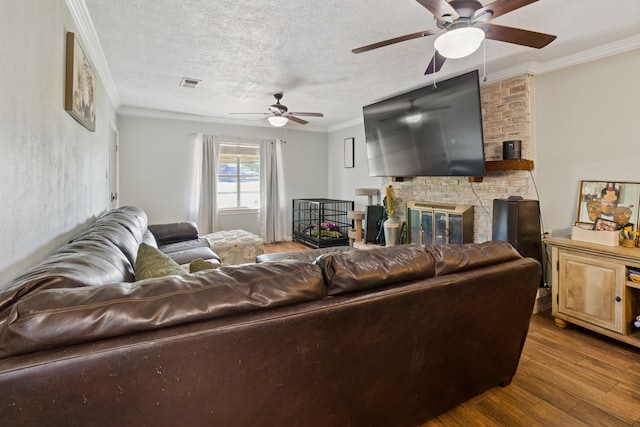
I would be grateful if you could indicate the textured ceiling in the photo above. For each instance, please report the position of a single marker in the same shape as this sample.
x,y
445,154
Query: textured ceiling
x,y
245,51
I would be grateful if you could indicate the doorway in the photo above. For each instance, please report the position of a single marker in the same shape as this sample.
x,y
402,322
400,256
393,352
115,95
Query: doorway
x,y
114,183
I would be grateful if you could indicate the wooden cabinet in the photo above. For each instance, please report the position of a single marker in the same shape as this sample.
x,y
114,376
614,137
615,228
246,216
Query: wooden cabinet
x,y
436,223
590,287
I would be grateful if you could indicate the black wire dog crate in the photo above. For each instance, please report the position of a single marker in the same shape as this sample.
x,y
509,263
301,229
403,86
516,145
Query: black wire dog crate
x,y
321,223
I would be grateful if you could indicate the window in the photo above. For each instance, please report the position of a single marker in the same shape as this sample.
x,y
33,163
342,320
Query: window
x,y
239,176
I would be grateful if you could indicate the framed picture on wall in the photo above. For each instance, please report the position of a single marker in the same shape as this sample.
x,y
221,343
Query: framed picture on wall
x,y
80,85
348,153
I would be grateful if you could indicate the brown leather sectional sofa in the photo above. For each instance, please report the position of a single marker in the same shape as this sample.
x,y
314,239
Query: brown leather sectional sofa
x,y
382,337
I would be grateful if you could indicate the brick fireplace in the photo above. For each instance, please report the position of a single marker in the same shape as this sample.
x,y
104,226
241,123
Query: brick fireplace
x,y
506,115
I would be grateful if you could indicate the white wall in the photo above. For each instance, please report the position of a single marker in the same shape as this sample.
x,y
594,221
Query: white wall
x,y
53,172
587,128
343,181
156,164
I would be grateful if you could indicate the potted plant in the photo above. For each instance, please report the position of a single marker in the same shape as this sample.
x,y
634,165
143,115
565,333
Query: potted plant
x,y
391,225
629,237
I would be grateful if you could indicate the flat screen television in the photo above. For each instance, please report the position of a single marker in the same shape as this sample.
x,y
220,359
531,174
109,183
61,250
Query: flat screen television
x,y
432,131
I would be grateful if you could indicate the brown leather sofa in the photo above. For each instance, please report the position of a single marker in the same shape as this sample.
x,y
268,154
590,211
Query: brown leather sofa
x,y
389,336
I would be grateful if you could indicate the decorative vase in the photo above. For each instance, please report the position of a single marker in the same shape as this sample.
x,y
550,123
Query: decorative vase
x,y
391,230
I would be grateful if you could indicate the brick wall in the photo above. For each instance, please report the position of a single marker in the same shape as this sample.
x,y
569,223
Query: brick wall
x,y
506,115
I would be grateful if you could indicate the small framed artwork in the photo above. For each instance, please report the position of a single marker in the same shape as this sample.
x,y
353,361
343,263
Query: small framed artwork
x,y
80,85
348,153
605,225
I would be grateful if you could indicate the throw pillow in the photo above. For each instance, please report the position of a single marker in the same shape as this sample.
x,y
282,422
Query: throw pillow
x,y
200,265
152,262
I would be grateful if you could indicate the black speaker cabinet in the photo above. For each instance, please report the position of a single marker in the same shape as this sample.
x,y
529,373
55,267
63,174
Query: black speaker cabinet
x,y
517,221
373,223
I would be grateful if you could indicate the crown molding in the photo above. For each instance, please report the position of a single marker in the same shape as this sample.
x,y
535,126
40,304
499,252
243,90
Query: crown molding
x,y
92,47
130,111
620,46
538,68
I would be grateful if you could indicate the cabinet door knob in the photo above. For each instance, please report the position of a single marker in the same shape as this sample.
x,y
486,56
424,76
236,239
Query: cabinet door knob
x,y
618,299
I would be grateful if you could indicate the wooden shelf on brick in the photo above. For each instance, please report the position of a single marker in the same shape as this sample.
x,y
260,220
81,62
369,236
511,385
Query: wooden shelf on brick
x,y
504,165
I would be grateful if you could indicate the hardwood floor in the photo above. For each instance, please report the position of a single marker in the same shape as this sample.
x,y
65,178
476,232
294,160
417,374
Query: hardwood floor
x,y
270,248
566,377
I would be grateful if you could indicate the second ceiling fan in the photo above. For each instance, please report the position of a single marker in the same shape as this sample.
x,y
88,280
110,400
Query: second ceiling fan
x,y
464,23
279,114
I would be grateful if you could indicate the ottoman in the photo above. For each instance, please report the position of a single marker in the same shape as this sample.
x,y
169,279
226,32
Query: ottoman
x,y
235,246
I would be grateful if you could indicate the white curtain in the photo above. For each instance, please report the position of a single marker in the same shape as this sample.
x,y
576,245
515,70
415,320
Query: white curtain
x,y
204,196
273,207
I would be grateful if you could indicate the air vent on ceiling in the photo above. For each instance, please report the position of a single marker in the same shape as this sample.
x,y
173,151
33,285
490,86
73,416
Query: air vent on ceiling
x,y
189,82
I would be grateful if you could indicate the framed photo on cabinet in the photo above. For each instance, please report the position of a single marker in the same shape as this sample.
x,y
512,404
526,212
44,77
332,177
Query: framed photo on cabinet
x,y
616,202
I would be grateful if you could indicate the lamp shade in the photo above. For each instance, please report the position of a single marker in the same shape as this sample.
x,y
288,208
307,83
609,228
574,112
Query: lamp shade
x,y
277,121
459,42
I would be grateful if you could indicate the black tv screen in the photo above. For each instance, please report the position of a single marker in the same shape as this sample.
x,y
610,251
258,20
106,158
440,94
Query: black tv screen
x,y
432,131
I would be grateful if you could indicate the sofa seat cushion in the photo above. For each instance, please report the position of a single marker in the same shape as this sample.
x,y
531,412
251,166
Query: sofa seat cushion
x,y
457,258
186,251
188,255
358,270
184,245
57,317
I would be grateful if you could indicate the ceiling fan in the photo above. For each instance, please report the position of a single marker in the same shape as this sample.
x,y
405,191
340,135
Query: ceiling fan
x,y
279,114
463,25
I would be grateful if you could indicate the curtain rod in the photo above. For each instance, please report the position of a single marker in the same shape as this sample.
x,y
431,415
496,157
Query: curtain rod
x,y
239,138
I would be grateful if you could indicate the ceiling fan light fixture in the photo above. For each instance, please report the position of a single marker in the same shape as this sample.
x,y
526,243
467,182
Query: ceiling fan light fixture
x,y
459,42
414,118
277,121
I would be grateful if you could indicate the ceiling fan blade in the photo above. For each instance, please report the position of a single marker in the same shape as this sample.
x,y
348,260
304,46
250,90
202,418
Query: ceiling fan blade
x,y
501,7
436,62
297,120
516,35
441,9
395,40
252,113
307,114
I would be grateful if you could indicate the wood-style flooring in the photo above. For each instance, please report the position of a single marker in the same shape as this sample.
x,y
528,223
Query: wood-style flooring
x,y
270,248
566,377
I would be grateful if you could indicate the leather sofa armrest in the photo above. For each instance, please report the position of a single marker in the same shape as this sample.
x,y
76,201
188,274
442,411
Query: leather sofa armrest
x,y
174,232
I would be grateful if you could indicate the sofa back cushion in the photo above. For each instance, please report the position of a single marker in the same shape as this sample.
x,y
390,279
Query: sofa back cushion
x,y
103,253
57,317
88,262
358,270
456,258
